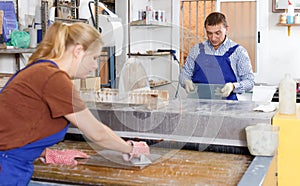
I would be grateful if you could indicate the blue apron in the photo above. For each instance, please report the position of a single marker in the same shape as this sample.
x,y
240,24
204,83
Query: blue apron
x,y
16,165
211,69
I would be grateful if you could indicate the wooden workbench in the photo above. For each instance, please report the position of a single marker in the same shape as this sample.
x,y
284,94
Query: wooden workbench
x,y
183,167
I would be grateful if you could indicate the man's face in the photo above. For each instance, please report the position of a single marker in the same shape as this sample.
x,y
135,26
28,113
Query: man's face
x,y
216,34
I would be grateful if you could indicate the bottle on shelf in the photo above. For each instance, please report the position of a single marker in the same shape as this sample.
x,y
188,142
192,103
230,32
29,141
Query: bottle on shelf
x,y
282,18
149,12
33,36
297,19
290,13
287,95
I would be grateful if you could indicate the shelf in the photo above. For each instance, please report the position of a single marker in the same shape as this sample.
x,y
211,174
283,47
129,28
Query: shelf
x,y
17,50
150,55
289,26
68,6
155,84
150,24
285,24
145,37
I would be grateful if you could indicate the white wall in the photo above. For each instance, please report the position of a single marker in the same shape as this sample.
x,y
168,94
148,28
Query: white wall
x,y
278,53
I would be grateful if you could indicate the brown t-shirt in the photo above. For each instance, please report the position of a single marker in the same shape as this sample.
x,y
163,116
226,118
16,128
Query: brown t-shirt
x,y
34,103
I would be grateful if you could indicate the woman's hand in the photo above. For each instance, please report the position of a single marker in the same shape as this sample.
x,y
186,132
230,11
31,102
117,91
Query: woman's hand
x,y
138,148
64,157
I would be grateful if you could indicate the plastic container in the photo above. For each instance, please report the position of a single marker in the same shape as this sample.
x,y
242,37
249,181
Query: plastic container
x,y
33,37
282,18
297,19
149,12
290,13
287,95
262,139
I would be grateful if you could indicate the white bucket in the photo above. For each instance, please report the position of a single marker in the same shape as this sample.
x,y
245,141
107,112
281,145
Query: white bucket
x,y
262,139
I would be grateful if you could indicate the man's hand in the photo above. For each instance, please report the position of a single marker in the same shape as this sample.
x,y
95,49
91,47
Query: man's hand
x,y
138,148
189,86
64,157
227,89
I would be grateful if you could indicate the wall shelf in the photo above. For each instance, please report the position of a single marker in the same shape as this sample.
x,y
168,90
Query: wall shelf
x,y
151,23
151,54
145,37
17,52
289,26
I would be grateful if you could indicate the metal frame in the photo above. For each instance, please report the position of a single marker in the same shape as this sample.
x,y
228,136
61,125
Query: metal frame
x,y
257,171
170,39
281,10
111,55
111,67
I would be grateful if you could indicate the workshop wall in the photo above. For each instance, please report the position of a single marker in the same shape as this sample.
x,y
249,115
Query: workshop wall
x,y
277,53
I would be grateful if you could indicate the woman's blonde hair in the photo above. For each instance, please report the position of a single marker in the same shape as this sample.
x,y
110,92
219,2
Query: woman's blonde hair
x,y
60,36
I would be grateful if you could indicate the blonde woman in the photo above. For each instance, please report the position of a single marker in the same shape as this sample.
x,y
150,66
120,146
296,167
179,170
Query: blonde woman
x,y
39,102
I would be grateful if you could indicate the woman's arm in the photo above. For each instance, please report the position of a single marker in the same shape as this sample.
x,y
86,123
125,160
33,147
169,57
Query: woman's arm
x,y
97,132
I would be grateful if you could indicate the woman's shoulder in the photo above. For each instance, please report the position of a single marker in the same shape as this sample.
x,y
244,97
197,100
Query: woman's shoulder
x,y
45,69
41,73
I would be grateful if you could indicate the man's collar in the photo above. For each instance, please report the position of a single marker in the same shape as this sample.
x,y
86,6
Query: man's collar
x,y
222,44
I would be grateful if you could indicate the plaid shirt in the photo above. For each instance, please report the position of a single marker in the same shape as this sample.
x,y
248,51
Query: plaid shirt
x,y
240,64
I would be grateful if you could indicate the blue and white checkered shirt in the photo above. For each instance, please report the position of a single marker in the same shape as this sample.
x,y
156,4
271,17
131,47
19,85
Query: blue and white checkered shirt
x,y
240,64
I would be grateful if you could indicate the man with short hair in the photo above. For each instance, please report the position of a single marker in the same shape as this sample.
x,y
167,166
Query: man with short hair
x,y
218,60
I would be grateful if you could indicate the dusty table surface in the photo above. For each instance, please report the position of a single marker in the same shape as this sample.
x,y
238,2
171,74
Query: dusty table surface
x,y
177,167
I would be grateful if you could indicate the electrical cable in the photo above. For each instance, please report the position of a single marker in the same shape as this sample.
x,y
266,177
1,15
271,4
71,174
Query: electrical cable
x,y
91,12
173,53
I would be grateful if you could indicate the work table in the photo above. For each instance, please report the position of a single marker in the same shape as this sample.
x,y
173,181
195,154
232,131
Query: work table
x,y
218,122
177,167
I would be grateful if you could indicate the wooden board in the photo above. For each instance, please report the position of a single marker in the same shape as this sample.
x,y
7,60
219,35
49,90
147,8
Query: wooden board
x,y
176,167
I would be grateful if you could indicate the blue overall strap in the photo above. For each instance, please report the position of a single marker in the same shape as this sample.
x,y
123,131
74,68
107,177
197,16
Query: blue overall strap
x,y
15,74
207,69
231,50
228,73
211,69
16,165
